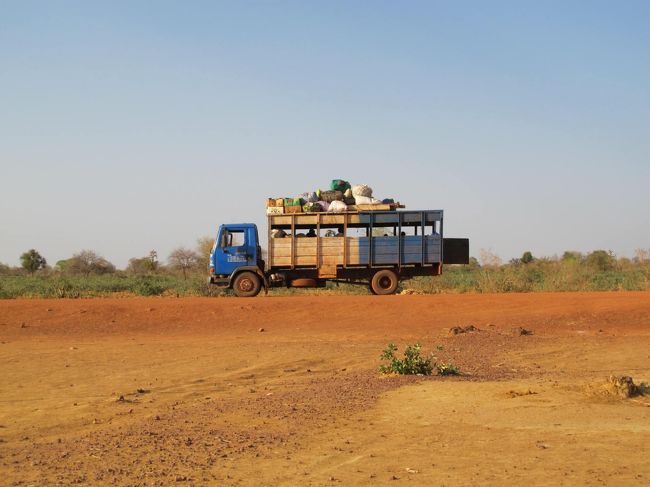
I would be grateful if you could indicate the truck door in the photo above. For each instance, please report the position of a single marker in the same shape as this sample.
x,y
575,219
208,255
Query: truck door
x,y
233,250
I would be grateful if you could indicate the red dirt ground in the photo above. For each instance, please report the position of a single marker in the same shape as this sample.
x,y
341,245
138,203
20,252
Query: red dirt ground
x,y
285,391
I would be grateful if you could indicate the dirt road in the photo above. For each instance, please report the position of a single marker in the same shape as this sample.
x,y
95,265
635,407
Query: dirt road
x,y
285,391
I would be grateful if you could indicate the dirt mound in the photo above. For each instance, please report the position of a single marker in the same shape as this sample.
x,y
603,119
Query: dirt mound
x,y
459,330
622,386
520,331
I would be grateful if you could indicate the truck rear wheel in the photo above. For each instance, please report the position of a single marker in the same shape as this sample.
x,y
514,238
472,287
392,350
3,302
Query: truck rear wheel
x,y
384,282
246,285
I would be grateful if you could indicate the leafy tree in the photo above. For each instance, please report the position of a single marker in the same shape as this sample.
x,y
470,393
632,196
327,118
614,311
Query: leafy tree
x,y
204,248
527,257
571,256
140,265
144,265
601,260
32,261
183,259
88,262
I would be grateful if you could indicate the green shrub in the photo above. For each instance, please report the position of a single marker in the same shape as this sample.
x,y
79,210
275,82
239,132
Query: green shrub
x,y
527,257
447,369
601,260
412,363
62,289
149,287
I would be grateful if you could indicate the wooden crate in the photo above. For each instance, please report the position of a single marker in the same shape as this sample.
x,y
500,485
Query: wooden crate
x,y
275,210
293,209
274,202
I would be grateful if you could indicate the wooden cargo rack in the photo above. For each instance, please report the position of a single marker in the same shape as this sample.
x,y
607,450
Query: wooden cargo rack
x,y
327,253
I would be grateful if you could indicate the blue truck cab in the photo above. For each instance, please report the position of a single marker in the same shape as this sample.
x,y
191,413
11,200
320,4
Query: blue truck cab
x,y
236,259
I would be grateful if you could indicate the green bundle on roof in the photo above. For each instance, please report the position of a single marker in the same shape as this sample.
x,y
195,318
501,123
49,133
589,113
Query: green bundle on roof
x,y
339,185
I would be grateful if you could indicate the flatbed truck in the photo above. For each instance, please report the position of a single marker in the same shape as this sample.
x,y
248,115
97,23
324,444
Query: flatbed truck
x,y
375,248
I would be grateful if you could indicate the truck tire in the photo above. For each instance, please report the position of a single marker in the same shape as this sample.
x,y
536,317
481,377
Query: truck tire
x,y
384,282
246,285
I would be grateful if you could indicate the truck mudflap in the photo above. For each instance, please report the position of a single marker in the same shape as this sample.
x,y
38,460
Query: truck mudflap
x,y
265,281
455,251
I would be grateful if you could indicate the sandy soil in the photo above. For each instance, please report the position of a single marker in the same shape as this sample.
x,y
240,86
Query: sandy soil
x,y
285,391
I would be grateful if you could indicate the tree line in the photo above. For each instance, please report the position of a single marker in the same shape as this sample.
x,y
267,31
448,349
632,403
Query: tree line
x,y
181,260
88,274
186,260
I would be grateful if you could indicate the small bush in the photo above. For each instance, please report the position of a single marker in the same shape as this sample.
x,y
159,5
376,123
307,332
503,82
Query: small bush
x,y
413,362
149,287
64,289
447,369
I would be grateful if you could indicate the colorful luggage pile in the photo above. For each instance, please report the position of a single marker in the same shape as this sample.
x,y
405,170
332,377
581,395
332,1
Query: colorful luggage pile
x,y
339,198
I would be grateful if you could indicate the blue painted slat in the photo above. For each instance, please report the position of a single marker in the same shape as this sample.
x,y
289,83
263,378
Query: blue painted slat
x,y
385,250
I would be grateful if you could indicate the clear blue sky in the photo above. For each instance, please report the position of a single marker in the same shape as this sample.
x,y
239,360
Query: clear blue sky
x,y
131,126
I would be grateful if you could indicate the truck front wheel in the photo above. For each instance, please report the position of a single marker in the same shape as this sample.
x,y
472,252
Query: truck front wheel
x,y
384,282
247,285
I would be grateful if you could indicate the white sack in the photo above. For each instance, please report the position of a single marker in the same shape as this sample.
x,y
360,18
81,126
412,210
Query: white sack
x,y
337,207
362,200
361,190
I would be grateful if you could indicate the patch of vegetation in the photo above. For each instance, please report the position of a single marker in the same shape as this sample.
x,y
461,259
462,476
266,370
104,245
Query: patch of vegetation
x,y
32,261
119,283
573,271
413,362
146,286
87,274
447,369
